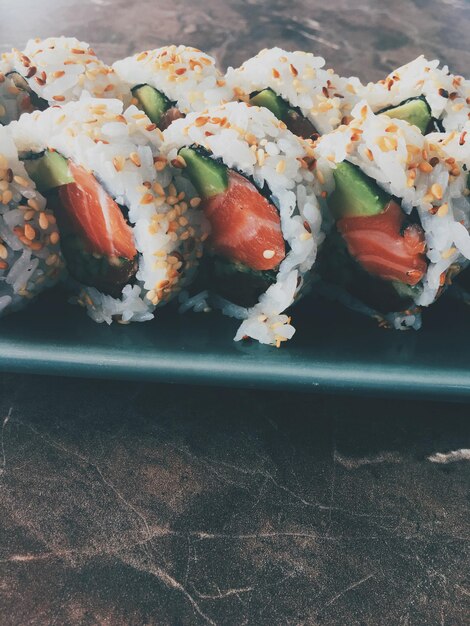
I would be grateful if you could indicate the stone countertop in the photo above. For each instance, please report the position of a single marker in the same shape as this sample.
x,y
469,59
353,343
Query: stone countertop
x,y
149,504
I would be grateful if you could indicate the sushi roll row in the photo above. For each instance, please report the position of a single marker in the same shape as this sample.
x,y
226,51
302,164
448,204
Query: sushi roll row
x,y
160,177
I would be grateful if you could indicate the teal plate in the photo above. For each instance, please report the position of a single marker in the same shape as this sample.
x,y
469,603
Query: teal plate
x,y
333,350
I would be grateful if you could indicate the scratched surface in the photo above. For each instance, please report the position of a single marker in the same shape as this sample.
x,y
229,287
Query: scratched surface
x,y
125,503
166,505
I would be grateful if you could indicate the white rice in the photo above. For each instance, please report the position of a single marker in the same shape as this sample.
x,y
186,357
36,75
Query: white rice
x,y
299,78
184,75
446,94
59,70
29,261
122,150
252,141
398,157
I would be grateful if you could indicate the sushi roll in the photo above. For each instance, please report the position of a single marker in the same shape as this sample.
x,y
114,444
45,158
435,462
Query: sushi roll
x,y
400,230
255,186
30,258
129,236
52,72
424,94
296,87
170,82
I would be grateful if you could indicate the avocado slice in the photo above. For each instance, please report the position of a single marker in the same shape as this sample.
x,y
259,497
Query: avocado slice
x,y
48,170
207,175
152,101
414,111
356,195
269,100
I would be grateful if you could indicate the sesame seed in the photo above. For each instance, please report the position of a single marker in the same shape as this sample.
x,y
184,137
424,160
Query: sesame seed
x,y
3,252
268,254
34,204
281,166
7,196
158,189
21,181
387,143
134,157
275,73
3,265
54,237
29,232
443,209
118,163
426,167
448,253
194,202
43,221
146,199
436,191
58,98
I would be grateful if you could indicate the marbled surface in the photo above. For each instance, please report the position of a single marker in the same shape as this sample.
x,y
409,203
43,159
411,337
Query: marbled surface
x,y
125,503
169,505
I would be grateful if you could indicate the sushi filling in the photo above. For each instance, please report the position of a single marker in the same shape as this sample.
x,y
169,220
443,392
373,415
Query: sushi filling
x,y
292,117
415,111
246,241
158,108
96,241
375,242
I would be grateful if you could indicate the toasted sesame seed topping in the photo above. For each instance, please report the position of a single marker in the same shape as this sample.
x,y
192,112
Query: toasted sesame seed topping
x,y
436,191
425,167
54,237
135,158
268,254
29,232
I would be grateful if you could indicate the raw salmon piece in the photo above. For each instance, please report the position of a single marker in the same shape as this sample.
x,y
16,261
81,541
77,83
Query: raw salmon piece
x,y
245,226
95,215
378,244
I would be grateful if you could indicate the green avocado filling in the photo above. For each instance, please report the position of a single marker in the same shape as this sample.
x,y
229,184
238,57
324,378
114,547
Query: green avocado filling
x,y
292,117
355,194
208,176
415,111
48,170
153,102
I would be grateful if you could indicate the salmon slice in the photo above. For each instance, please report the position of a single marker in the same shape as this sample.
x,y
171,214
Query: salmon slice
x,y
95,216
245,226
379,245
